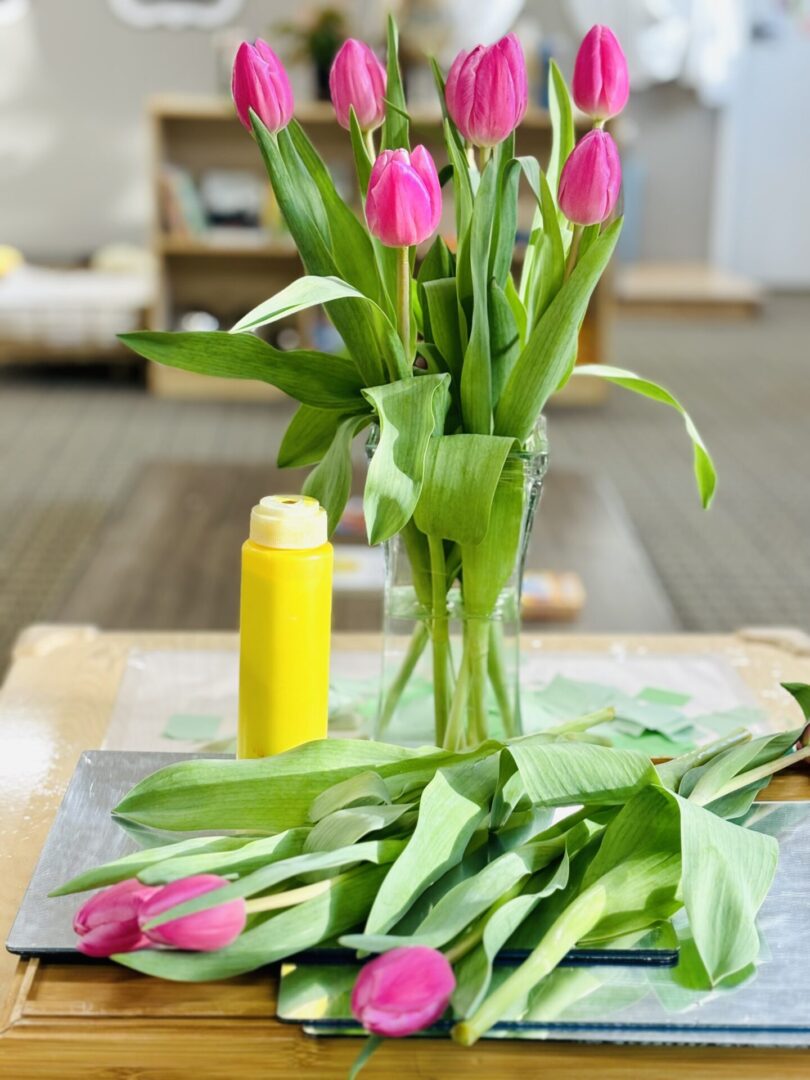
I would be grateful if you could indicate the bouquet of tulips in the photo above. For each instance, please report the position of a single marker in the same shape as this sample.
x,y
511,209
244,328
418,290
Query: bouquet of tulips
x,y
450,355
437,861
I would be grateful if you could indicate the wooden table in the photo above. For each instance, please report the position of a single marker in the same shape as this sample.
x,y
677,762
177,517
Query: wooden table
x,y
100,1022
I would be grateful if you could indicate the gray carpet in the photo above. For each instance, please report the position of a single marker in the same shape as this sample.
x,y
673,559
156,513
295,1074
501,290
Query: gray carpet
x,y
71,444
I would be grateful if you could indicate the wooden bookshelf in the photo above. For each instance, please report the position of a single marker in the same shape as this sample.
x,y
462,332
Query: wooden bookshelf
x,y
227,275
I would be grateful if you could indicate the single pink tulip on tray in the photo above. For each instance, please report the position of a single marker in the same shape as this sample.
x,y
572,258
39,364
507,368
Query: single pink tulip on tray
x,y
108,922
403,991
204,931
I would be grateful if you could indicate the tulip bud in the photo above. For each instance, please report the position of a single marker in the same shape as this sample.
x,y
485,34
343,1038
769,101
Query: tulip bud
x,y
108,922
358,80
487,91
591,179
404,199
261,83
213,928
601,84
403,991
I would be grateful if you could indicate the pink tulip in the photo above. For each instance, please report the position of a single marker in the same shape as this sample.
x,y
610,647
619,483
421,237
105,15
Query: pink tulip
x,y
404,200
403,991
261,83
358,80
108,922
204,931
601,84
591,179
487,91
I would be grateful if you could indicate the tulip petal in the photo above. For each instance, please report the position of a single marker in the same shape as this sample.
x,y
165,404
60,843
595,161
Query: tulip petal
x,y
403,991
213,928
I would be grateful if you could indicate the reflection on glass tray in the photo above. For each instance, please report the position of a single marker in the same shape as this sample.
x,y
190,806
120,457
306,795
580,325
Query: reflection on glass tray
x,y
765,1006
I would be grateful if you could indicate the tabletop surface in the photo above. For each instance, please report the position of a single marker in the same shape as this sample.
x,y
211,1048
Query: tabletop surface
x,y
56,701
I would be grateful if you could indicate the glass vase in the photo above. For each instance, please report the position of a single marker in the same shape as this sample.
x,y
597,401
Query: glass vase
x,y
451,621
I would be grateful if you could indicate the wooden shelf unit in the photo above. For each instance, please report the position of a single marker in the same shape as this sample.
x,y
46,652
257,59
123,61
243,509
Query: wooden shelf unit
x,y
227,276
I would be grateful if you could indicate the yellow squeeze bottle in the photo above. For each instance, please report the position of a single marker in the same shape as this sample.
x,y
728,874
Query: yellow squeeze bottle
x,y
286,610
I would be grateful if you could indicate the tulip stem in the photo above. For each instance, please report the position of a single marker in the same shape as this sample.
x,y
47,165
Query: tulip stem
x,y
276,901
368,139
404,299
486,154
573,251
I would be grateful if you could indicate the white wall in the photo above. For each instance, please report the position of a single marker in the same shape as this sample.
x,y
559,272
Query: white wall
x,y
74,81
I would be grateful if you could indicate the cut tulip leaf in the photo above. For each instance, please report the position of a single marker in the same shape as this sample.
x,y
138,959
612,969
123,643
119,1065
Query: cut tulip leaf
x,y
727,871
131,865
265,794
563,774
705,474
322,380
452,807
244,859
408,411
345,827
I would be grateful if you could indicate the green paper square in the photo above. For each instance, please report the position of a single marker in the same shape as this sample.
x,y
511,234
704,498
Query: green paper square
x,y
659,696
190,727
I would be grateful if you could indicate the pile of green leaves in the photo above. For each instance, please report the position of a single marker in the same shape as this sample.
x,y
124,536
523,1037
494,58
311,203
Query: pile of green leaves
x,y
372,846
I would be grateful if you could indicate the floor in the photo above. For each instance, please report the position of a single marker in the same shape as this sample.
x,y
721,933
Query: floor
x,y
71,444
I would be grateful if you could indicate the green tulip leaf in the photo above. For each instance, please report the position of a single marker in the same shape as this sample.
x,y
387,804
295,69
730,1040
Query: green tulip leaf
x,y
132,865
330,482
476,373
461,475
309,435
801,694
305,292
727,871
369,336
264,794
705,474
452,807
395,128
408,412
546,357
563,773
243,860
443,316
351,244
322,380
562,125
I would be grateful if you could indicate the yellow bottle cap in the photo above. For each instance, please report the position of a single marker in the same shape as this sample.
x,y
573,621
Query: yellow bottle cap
x,y
288,521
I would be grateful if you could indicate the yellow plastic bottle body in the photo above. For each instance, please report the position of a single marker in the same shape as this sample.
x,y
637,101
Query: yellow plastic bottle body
x,y
286,609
